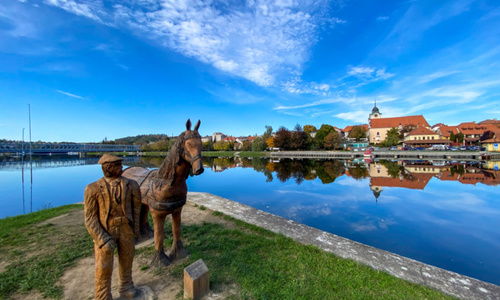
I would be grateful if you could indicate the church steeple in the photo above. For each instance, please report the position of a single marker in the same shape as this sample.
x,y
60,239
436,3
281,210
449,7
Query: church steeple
x,y
375,113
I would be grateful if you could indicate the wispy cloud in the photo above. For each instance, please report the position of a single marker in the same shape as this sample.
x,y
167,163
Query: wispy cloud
x,y
263,41
69,94
382,18
369,73
315,103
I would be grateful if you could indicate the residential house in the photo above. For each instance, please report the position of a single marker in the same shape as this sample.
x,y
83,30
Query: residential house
x,y
424,137
207,138
445,131
473,132
492,144
217,136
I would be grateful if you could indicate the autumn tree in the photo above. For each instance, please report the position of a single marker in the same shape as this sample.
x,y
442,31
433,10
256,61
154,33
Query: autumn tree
x,y
309,128
332,140
406,129
282,138
270,142
298,138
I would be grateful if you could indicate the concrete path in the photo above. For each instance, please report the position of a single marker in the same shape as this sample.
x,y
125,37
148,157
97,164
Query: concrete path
x,y
451,283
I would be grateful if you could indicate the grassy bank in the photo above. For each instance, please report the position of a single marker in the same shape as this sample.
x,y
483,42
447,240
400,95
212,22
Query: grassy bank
x,y
263,265
35,255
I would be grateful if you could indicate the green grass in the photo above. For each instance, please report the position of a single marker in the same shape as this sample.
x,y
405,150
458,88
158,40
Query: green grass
x,y
271,266
39,254
260,263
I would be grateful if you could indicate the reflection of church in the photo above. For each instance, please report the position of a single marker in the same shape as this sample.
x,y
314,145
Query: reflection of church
x,y
380,178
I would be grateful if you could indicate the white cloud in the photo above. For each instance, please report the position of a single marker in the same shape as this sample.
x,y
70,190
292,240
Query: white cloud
x,y
382,18
315,103
70,95
359,116
369,73
263,41
88,10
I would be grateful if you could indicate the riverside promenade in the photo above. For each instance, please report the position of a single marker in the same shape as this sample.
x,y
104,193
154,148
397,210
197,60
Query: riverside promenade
x,y
385,154
451,283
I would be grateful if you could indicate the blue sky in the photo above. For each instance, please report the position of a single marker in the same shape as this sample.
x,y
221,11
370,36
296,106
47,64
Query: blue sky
x,y
92,69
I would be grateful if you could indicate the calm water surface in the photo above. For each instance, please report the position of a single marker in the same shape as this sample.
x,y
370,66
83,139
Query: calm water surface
x,y
445,214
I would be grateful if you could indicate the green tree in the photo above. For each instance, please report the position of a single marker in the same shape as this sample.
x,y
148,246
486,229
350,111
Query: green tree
x,y
392,137
332,140
452,137
223,146
269,131
259,144
460,137
358,132
207,146
319,139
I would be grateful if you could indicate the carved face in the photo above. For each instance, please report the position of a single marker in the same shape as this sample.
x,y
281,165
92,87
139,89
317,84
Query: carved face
x,y
193,154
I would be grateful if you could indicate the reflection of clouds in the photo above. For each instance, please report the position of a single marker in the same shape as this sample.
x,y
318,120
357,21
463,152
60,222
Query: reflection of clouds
x,y
372,225
350,182
459,201
309,210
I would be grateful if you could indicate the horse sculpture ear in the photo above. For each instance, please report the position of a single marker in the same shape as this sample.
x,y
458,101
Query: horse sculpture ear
x,y
188,124
197,125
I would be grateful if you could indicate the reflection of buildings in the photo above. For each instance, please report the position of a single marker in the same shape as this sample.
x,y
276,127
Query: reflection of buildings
x,y
416,175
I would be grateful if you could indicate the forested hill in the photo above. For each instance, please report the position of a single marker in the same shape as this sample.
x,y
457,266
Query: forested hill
x,y
142,139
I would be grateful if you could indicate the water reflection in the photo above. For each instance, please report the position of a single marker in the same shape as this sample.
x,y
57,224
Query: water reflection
x,y
383,173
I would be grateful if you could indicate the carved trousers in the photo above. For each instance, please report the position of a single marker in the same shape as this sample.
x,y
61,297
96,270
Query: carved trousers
x,y
124,238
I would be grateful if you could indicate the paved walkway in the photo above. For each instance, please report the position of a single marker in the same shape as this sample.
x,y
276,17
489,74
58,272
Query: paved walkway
x,y
451,283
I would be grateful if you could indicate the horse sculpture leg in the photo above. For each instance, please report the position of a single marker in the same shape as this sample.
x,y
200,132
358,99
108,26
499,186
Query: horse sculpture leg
x,y
160,258
177,250
146,231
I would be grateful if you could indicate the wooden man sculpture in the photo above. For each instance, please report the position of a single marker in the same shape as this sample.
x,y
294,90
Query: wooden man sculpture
x,y
112,211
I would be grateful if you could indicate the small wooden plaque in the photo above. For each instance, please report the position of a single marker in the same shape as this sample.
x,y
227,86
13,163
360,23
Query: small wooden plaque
x,y
196,280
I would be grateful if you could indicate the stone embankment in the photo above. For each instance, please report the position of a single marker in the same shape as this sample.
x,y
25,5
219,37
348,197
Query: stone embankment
x,y
451,283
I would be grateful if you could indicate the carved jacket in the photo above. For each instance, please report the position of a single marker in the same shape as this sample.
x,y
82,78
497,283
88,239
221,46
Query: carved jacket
x,y
97,206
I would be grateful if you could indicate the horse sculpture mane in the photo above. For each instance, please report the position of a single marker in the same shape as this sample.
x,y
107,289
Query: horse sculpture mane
x,y
166,172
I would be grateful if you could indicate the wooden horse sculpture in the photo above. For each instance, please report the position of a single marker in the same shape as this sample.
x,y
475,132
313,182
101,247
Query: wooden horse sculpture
x,y
164,192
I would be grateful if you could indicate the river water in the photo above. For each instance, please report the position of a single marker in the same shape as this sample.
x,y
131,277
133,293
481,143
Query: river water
x,y
445,214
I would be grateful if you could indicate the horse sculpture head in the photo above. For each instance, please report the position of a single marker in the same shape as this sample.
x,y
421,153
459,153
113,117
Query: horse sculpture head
x,y
192,147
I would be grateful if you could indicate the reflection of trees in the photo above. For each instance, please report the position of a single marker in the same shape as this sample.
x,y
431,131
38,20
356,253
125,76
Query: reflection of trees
x,y
358,172
151,161
296,169
261,165
328,171
392,168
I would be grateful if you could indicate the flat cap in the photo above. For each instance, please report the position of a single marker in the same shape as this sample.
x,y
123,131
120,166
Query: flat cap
x,y
108,158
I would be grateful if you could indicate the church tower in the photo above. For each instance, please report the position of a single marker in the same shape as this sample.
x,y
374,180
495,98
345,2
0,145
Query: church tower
x,y
376,114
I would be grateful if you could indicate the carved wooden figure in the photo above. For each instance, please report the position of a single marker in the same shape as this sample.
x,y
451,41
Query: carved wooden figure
x,y
112,207
164,192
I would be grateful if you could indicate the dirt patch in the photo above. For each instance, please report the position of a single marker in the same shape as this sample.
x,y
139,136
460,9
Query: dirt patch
x,y
72,218
3,266
78,282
